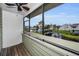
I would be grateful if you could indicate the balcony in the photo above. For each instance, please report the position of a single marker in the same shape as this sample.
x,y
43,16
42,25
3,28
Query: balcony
x,y
22,39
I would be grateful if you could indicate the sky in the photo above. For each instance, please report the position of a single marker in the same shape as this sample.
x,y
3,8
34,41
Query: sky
x,y
67,13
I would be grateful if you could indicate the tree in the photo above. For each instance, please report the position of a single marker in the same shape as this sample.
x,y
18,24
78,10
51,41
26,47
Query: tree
x,y
47,27
37,28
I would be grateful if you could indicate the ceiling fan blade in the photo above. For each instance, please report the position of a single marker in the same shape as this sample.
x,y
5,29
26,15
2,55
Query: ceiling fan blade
x,y
19,8
10,4
22,4
26,8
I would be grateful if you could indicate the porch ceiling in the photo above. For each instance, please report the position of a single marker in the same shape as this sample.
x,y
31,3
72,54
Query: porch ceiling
x,y
32,7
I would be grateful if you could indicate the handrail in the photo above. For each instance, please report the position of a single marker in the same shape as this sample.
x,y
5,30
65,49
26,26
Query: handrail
x,y
56,45
70,44
62,47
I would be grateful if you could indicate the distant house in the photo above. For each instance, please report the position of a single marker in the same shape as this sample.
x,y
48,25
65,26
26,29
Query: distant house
x,y
74,28
40,25
77,27
66,27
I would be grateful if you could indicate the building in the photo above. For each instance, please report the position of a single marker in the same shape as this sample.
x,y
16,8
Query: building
x,y
66,27
40,25
77,28
14,41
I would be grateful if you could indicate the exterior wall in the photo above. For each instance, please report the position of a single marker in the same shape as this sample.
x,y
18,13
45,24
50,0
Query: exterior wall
x,y
0,28
12,28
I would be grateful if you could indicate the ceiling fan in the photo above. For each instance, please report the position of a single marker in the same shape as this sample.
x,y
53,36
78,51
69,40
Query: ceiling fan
x,y
20,6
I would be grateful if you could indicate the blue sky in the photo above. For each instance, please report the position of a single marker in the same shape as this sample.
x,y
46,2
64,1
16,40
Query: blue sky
x,y
63,14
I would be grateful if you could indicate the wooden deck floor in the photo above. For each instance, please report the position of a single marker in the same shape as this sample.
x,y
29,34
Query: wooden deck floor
x,y
18,50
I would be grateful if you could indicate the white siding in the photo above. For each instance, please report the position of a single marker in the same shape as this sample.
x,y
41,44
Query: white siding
x,y
12,28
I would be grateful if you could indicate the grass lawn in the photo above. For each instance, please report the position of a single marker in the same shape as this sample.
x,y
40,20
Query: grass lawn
x,y
71,37
68,35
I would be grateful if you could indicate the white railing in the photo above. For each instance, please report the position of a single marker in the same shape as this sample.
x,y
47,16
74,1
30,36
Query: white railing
x,y
40,45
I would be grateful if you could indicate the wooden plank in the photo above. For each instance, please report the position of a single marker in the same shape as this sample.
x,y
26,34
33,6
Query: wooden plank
x,y
18,50
8,52
26,51
12,51
22,50
3,52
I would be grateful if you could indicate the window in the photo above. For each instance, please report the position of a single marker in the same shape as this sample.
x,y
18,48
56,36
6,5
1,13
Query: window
x,y
63,21
36,23
36,20
26,24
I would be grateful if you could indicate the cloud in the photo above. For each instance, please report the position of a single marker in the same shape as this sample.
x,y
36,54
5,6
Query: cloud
x,y
61,15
